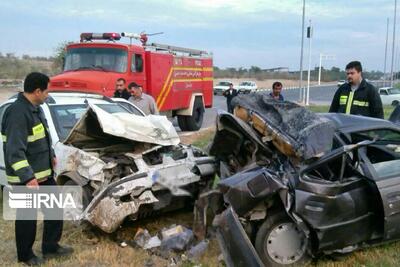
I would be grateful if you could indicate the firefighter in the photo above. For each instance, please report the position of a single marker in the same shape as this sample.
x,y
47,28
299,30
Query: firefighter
x,y
29,160
277,91
143,101
357,97
120,89
230,94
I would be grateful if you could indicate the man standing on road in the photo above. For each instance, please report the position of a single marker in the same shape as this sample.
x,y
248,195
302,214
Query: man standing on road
x,y
143,101
276,91
230,94
29,160
120,90
357,97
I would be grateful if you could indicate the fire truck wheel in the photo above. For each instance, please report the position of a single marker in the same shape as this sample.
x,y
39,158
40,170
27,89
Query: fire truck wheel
x,y
194,122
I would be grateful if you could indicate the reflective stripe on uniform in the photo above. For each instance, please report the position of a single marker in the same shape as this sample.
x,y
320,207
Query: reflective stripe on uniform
x,y
349,102
42,174
360,103
38,175
343,99
20,164
38,133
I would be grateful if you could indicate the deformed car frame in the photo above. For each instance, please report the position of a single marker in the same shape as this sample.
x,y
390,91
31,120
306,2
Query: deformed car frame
x,y
130,166
285,196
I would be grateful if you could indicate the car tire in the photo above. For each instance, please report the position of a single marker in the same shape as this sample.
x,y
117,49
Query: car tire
x,y
194,122
395,103
280,232
86,193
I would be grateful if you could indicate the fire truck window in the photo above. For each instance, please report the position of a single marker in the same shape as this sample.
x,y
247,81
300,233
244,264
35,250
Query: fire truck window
x,y
96,58
137,63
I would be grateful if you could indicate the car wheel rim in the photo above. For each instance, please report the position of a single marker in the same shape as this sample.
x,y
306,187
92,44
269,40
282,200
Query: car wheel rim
x,y
285,244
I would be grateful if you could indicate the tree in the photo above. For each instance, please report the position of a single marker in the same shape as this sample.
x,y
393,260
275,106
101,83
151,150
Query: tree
x,y
59,55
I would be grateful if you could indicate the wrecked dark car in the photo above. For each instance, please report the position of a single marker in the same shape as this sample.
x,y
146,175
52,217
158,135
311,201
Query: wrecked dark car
x,y
295,184
130,166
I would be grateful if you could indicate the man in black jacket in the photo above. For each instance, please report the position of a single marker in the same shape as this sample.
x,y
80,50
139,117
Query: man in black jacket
x,y
230,94
29,160
357,97
120,90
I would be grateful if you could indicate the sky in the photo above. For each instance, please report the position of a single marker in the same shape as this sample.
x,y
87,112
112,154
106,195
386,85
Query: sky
x,y
239,33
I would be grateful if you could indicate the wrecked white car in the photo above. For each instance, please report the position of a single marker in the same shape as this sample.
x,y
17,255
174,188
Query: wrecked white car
x,y
127,164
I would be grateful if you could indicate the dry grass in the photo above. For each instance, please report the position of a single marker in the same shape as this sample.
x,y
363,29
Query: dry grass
x,y
95,248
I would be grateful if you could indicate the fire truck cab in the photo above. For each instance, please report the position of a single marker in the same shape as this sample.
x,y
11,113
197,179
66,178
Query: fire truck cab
x,y
179,79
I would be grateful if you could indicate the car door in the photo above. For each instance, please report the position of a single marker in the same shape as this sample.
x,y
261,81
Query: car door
x,y
3,178
383,162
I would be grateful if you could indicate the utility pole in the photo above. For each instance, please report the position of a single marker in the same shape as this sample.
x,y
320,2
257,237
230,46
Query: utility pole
x,y
394,38
309,36
301,55
386,46
320,66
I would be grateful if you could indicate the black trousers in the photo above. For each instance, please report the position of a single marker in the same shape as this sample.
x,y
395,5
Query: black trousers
x,y
229,107
25,232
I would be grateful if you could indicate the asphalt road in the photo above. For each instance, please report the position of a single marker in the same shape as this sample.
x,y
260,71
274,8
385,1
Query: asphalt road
x,y
319,95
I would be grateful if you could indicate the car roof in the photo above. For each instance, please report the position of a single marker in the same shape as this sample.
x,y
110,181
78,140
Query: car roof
x,y
69,98
352,123
386,88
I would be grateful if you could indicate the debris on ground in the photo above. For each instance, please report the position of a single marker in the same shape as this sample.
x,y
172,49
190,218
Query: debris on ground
x,y
175,243
142,237
198,250
153,243
176,238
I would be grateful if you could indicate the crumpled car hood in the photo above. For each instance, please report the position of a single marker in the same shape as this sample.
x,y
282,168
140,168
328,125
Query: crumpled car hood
x,y
99,124
292,129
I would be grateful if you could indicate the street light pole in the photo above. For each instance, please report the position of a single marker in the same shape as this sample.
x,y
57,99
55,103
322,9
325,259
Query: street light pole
x,y
301,54
394,38
309,36
386,46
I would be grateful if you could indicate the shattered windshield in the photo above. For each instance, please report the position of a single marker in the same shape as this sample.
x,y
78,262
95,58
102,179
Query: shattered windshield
x,y
66,116
96,58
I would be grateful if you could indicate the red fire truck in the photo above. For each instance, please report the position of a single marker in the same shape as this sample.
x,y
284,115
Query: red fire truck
x,y
179,79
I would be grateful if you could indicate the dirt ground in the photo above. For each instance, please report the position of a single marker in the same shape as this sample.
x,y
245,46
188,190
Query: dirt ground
x,y
6,93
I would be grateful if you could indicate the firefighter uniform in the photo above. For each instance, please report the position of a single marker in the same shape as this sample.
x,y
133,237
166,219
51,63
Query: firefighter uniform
x,y
364,101
28,154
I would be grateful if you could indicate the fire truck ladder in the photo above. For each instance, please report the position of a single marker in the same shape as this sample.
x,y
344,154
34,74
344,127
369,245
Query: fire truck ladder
x,y
175,49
